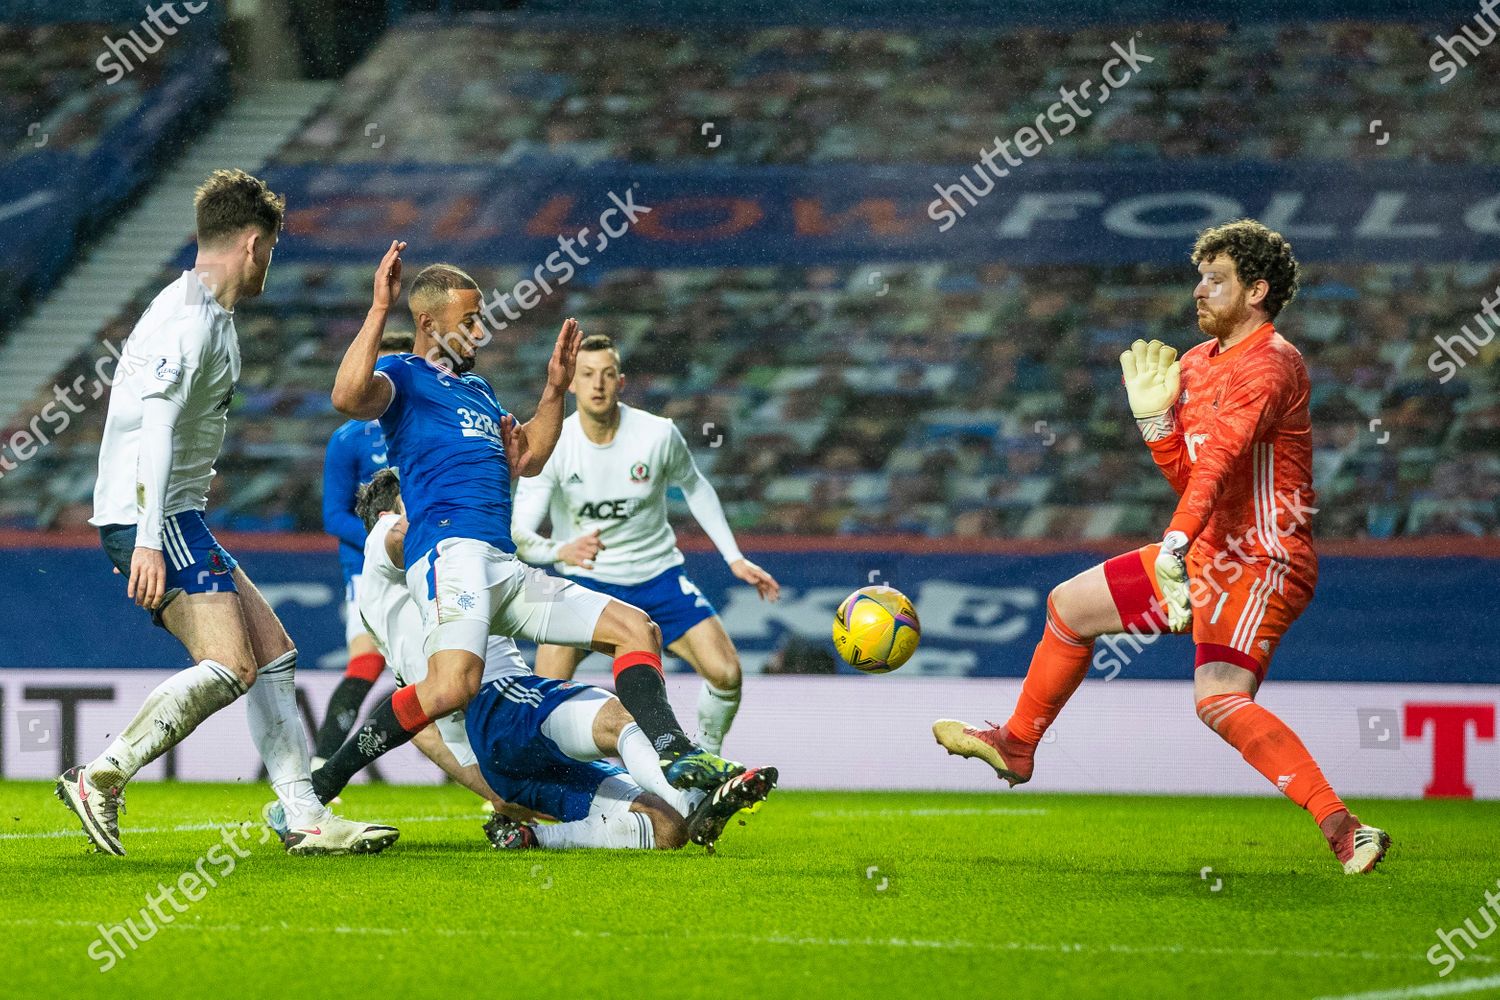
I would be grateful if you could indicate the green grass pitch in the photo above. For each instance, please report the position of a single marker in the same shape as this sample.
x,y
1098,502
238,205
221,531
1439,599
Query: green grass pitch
x,y
822,895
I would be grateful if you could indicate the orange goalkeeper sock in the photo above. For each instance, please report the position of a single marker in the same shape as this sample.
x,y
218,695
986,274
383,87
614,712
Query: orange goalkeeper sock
x,y
1272,749
1058,666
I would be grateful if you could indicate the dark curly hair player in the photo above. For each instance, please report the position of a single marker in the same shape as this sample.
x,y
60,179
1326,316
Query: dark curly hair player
x,y
1229,427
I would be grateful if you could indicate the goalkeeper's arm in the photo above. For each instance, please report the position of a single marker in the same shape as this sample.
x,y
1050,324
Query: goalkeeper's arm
x,y
1153,379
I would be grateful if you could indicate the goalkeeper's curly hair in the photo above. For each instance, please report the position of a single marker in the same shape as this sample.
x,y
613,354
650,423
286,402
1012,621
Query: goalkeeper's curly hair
x,y
381,493
1257,253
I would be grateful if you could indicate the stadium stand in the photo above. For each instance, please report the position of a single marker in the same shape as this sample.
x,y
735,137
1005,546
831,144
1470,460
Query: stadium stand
x,y
972,400
976,402
80,145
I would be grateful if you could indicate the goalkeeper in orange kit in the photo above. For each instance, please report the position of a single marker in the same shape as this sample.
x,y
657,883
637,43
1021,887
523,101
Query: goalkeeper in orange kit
x,y
1229,427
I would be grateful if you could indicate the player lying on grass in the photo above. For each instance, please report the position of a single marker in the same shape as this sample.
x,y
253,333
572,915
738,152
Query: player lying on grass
x,y
458,449
167,414
605,487
541,742
1229,427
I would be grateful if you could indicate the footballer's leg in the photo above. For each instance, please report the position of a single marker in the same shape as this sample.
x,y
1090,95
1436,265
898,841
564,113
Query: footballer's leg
x,y
211,628
458,587
201,609
276,726
612,732
363,670
1237,630
1102,600
545,608
709,650
559,662
452,679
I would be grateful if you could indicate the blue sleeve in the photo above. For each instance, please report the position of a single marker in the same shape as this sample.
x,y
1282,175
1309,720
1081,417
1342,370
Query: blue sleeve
x,y
340,481
394,368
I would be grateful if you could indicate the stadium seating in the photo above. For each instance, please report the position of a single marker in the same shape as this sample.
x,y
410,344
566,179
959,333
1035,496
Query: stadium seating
x,y
79,144
484,90
976,402
970,400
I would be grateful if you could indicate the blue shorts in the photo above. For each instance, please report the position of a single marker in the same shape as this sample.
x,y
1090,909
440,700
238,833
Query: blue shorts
x,y
196,562
519,761
672,600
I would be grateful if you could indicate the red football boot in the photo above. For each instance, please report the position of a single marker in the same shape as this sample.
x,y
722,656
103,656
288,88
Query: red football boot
x,y
1011,759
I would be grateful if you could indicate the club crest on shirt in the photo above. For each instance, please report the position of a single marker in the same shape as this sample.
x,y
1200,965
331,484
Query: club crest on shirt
x,y
640,472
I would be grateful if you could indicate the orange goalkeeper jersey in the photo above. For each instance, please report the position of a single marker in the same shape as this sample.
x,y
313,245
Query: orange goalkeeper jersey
x,y
1240,455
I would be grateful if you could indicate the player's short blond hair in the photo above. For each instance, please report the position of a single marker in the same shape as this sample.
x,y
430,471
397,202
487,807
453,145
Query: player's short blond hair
x,y
602,342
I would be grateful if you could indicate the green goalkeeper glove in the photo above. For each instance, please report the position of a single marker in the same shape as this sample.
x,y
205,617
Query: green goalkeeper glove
x,y
1171,577
1153,379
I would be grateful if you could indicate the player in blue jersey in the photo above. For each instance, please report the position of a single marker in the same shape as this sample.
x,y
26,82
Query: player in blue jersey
x,y
458,449
356,451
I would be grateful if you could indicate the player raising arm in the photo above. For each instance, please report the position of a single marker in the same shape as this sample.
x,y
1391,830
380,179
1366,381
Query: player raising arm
x,y
457,449
355,452
606,488
1229,427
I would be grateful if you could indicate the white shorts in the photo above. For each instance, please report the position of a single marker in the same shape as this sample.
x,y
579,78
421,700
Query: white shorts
x,y
571,724
455,734
354,625
468,590
615,796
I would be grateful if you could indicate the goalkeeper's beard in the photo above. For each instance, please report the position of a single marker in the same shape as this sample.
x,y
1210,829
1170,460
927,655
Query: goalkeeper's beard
x,y
1222,322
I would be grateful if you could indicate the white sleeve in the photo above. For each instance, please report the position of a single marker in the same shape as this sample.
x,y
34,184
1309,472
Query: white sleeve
x,y
159,416
702,500
532,497
176,355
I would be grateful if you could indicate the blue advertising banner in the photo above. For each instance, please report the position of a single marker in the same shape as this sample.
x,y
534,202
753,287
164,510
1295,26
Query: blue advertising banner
x,y
1046,211
1398,619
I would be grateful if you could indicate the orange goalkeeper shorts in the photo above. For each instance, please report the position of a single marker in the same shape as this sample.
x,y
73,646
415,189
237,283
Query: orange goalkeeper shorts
x,y
1240,609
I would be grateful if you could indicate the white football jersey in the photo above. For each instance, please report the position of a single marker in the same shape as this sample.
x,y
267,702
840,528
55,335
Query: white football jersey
x,y
184,348
395,623
621,489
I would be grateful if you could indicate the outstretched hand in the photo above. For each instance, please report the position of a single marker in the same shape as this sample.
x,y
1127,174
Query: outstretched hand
x,y
388,276
565,355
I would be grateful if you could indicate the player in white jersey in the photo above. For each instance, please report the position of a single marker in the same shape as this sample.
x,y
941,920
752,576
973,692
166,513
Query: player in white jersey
x,y
167,414
605,490
541,741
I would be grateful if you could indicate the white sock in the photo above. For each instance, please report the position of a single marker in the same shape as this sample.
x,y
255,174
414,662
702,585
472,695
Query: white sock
x,y
168,714
716,710
633,830
276,727
644,764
